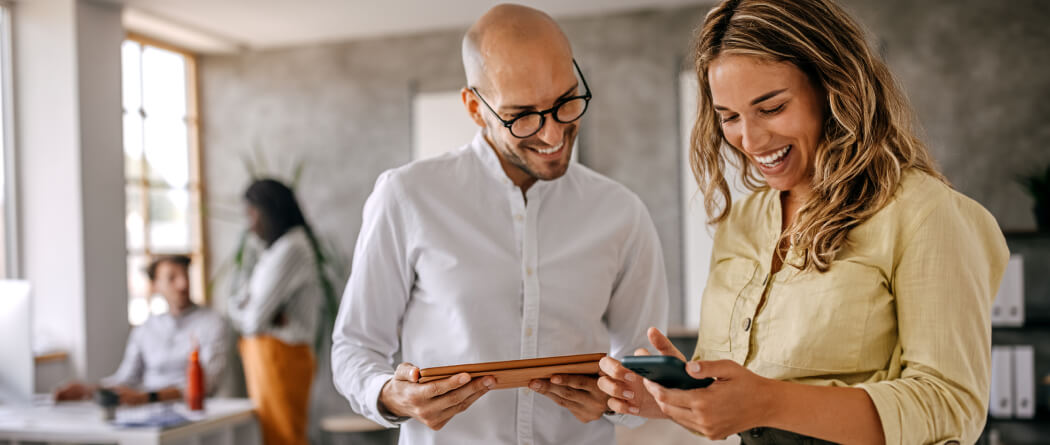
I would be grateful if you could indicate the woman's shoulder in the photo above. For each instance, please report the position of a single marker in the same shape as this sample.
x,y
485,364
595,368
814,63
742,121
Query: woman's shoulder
x,y
295,242
920,195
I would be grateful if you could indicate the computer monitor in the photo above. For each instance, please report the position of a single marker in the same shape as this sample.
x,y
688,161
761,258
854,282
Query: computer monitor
x,y
16,349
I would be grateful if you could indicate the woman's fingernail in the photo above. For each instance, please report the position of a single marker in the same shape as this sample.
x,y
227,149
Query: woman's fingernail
x,y
629,377
628,394
535,386
556,379
464,378
633,410
694,367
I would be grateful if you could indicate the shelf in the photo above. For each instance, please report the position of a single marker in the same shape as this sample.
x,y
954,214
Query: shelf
x,y
54,356
1029,325
1032,233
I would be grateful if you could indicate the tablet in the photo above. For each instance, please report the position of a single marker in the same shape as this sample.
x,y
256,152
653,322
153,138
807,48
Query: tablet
x,y
518,373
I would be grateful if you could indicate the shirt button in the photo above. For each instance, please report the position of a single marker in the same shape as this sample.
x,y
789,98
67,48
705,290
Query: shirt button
x,y
528,271
746,324
519,217
528,332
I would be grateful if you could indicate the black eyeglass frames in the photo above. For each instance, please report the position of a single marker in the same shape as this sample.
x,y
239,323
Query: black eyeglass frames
x,y
531,122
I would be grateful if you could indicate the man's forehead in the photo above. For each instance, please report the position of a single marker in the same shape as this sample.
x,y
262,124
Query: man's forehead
x,y
532,82
170,267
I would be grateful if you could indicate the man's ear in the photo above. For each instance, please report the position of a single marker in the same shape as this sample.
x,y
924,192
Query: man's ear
x,y
470,102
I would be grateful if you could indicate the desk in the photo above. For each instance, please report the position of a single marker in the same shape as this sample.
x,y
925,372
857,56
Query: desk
x,y
224,422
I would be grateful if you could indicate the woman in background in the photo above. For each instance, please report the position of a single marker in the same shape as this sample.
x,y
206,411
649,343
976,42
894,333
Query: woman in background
x,y
276,310
849,297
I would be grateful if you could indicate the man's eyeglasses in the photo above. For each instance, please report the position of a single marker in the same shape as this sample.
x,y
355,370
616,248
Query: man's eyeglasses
x,y
530,122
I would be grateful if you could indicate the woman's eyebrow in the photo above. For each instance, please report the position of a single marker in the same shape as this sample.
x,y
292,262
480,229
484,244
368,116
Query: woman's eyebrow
x,y
767,96
757,100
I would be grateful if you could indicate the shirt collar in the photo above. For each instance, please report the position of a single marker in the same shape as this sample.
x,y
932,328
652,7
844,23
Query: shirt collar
x,y
487,155
491,163
169,319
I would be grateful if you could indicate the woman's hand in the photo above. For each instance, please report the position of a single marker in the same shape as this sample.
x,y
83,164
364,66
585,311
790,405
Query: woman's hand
x,y
628,394
738,400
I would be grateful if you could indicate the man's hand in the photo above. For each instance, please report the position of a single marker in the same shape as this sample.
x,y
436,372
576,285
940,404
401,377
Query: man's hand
x,y
74,391
433,403
577,393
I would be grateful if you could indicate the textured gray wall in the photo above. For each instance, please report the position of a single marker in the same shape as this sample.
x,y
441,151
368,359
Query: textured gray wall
x,y
978,75
976,72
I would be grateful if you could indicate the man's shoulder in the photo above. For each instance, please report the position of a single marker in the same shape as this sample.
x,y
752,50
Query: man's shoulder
x,y
422,171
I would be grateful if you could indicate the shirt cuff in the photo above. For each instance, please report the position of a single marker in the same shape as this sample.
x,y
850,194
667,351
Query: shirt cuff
x,y
887,407
372,390
626,420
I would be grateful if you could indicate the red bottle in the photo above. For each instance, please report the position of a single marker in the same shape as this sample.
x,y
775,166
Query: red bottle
x,y
194,383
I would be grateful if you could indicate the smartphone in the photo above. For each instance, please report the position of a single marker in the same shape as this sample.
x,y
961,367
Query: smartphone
x,y
668,371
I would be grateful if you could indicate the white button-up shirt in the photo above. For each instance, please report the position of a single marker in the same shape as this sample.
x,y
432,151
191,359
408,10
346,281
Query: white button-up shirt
x,y
284,280
451,267
157,352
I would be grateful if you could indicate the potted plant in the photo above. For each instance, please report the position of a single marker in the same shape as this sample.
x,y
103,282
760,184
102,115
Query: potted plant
x,y
1037,185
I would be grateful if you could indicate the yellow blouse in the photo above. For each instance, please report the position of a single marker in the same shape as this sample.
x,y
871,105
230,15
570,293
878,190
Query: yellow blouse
x,y
903,312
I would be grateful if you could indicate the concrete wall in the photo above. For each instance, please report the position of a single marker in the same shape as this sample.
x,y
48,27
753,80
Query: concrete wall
x,y
976,72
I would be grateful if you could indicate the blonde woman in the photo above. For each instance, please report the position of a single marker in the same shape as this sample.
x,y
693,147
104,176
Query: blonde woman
x,y
849,296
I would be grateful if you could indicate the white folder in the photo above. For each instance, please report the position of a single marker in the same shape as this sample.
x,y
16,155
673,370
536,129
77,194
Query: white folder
x,y
1024,381
1008,308
1001,403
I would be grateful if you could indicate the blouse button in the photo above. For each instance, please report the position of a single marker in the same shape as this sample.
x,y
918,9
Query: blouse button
x,y
747,324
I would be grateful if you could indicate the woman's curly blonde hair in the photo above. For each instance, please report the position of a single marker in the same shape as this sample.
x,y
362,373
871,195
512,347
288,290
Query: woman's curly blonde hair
x,y
868,139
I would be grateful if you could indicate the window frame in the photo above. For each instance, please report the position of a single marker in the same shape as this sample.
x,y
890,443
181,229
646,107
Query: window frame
x,y
195,185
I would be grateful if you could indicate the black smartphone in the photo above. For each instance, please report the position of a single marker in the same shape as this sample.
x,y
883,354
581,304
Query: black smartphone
x,y
668,371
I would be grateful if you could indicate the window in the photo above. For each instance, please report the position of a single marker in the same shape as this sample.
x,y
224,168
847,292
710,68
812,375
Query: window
x,y
441,124
162,170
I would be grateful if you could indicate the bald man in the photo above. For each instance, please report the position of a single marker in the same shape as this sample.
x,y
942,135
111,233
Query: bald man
x,y
501,250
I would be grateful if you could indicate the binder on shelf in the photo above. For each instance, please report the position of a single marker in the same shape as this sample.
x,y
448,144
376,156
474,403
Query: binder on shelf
x,y
1008,308
1024,381
1001,403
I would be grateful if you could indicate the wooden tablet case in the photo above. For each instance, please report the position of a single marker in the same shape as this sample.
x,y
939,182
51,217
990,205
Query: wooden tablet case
x,y
518,373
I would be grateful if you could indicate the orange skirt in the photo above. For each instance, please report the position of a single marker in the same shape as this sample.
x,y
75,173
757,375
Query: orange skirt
x,y
278,377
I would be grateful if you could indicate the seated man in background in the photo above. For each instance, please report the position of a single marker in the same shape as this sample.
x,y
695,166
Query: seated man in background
x,y
154,365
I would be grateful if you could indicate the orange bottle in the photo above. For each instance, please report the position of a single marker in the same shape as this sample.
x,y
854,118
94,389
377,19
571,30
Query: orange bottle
x,y
194,383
